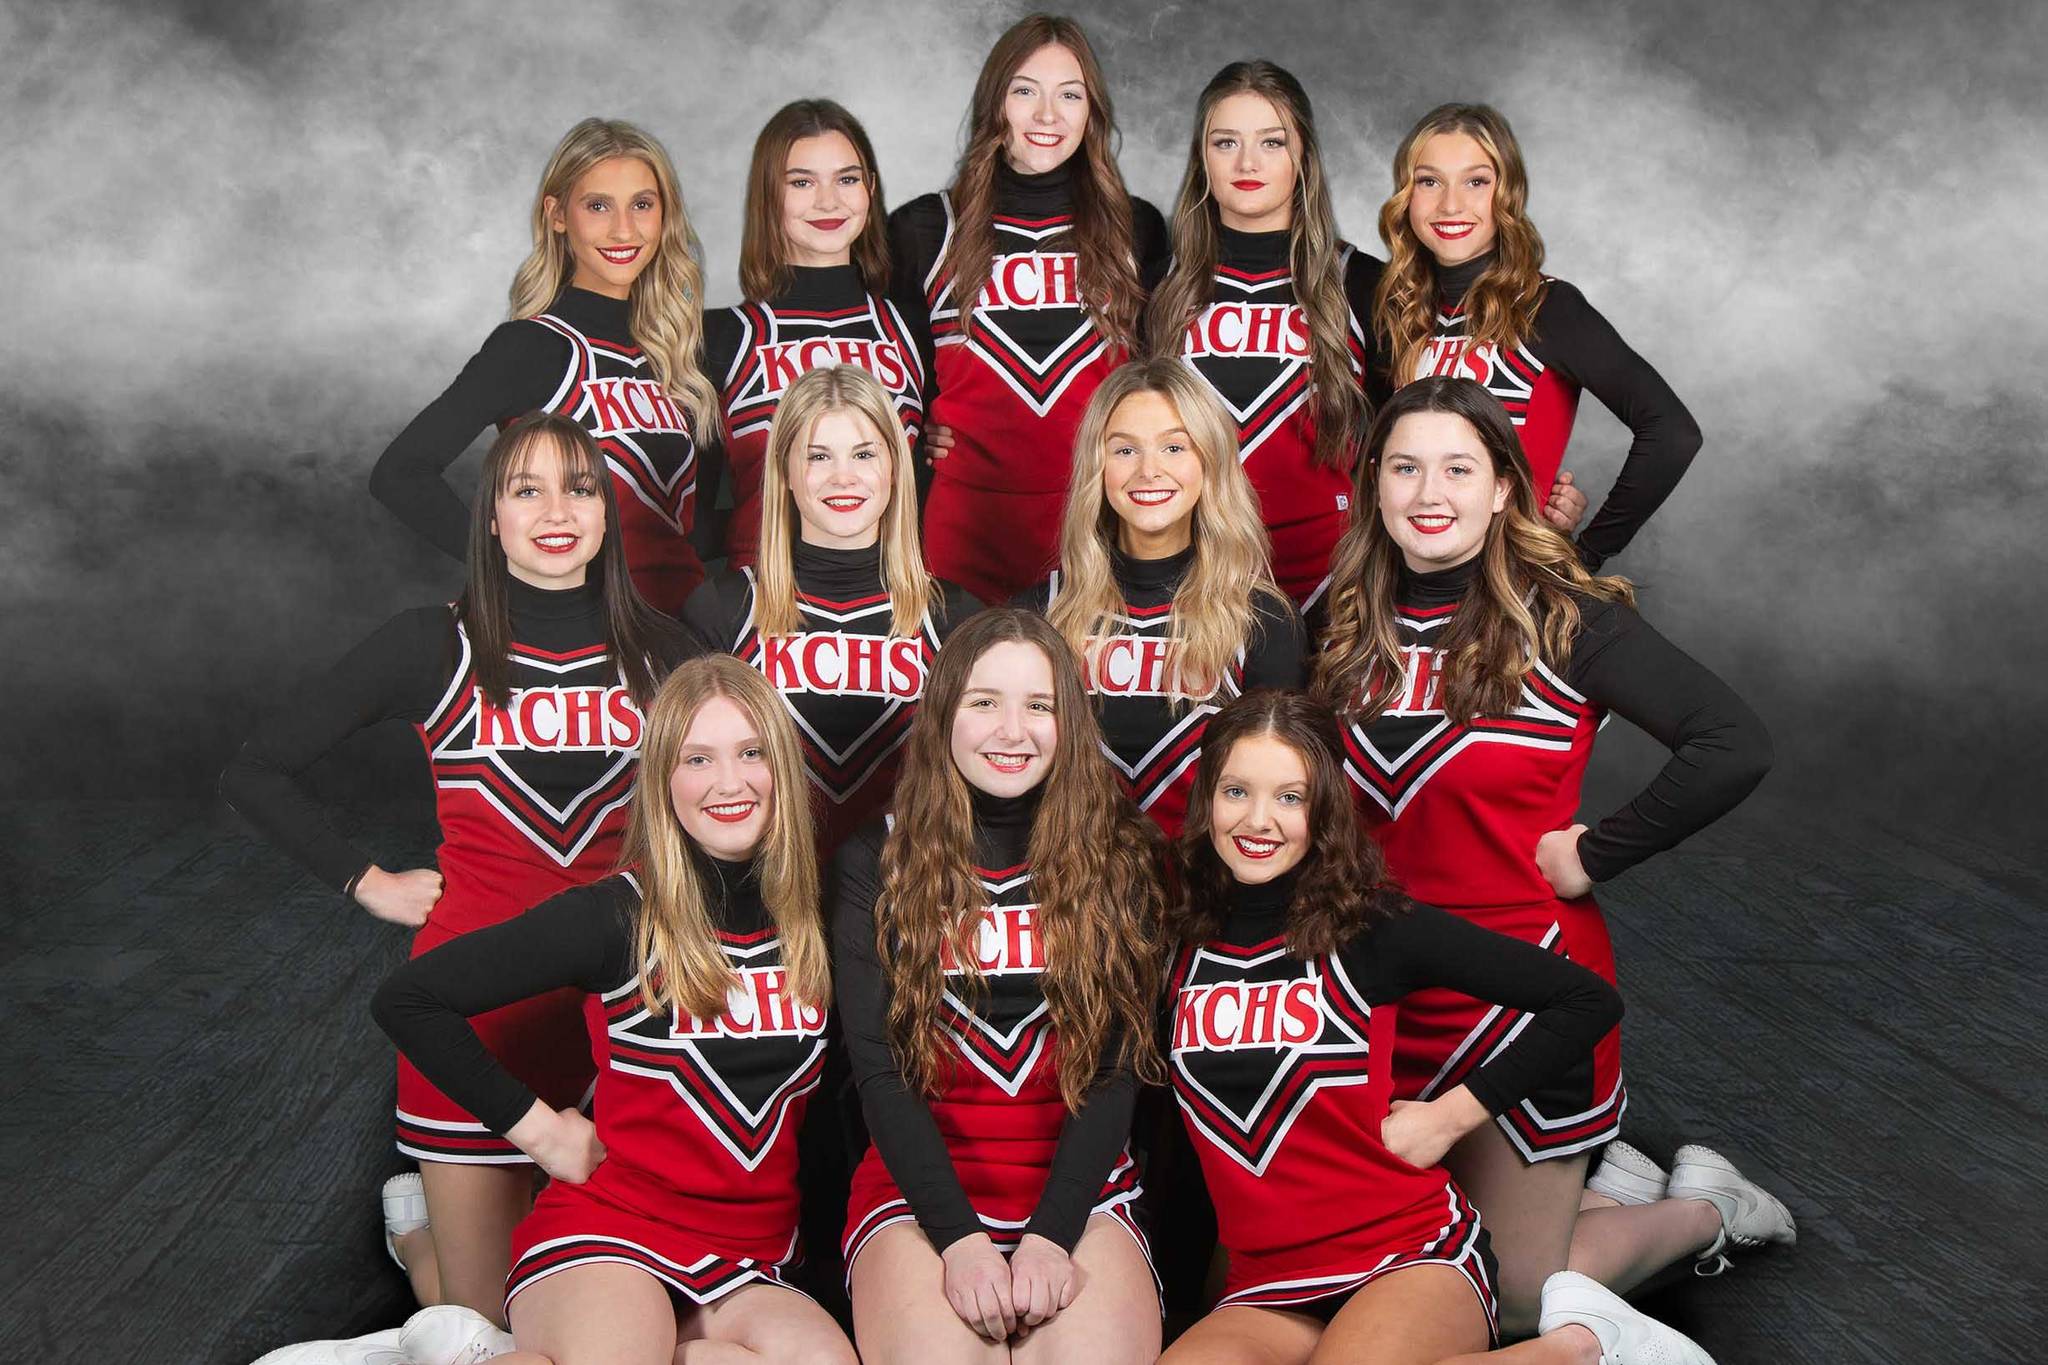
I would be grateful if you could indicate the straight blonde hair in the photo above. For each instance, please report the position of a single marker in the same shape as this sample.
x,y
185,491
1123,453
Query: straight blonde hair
x,y
838,388
1213,609
673,934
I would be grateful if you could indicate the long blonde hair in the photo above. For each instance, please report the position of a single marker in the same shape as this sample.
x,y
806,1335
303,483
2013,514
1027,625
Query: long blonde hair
x,y
834,388
1213,609
1500,307
1312,251
667,301
673,933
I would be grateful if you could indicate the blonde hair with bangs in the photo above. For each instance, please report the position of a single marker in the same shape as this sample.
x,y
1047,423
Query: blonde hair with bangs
x,y
1212,615
674,935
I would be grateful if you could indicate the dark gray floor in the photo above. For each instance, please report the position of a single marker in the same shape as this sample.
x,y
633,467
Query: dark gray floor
x,y
196,1106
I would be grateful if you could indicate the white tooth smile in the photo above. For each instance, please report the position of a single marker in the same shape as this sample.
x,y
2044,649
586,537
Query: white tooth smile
x,y
1256,848
1152,497
618,255
736,808
1009,763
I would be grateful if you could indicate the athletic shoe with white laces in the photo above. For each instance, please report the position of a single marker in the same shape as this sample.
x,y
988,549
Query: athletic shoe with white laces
x,y
1751,1216
405,1210
1626,1336
378,1348
1627,1176
449,1334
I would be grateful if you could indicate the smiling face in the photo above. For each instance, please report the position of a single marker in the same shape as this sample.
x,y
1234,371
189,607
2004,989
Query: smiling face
x,y
1258,814
1045,111
1248,153
1151,476
723,787
824,199
1437,490
1450,198
611,219
840,479
1005,730
548,519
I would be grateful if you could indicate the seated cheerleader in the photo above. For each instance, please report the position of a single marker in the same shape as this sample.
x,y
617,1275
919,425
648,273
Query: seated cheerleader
x,y
1346,1240
705,978
1165,587
838,612
995,953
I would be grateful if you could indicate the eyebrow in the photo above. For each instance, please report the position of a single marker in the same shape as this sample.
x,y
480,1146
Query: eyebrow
x,y
1476,166
997,692
806,170
1170,431
1036,80
1276,128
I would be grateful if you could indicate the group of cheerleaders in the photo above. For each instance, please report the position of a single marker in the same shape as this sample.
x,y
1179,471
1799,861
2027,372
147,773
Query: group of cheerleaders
x,y
1254,785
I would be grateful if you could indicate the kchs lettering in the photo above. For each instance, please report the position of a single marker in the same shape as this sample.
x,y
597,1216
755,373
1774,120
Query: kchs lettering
x,y
759,1006
783,361
845,665
1275,330
1033,279
1005,941
560,719
1230,1015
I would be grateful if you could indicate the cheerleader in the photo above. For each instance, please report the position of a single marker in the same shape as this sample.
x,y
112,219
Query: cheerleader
x,y
1464,294
993,951
1163,588
607,321
1346,1240
814,266
1023,281
527,694
839,613
702,975
1473,658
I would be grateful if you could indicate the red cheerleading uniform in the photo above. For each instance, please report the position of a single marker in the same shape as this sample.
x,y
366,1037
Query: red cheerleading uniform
x,y
1250,344
1281,1066
1152,739
851,687
1571,347
995,1150
578,359
1459,810
1011,375
755,350
698,1117
532,800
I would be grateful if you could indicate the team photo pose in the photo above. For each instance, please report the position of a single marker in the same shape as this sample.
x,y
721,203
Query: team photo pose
x,y
996,965
814,269
839,612
607,325
702,974
1346,1240
1023,280
1164,589
1464,294
1472,658
527,694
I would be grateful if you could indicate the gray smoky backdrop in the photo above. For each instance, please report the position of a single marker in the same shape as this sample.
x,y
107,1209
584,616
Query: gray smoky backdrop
x,y
244,243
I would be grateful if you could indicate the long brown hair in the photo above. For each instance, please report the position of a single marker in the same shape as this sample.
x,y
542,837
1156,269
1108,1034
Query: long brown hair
x,y
764,244
1522,609
1096,870
1312,250
1103,236
1500,307
642,641
1343,884
673,934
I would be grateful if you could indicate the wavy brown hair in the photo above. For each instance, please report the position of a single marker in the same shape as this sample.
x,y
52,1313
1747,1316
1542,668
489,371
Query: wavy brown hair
x,y
764,243
1103,235
642,641
1342,884
1313,251
673,932
1500,307
1096,870
1522,608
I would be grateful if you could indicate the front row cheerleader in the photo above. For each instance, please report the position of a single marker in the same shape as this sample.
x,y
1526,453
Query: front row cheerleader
x,y
705,982
995,953
1346,1240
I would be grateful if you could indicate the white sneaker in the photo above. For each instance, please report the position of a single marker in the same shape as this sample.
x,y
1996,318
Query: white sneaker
x,y
1751,1216
1627,1176
1626,1336
405,1210
378,1348
449,1334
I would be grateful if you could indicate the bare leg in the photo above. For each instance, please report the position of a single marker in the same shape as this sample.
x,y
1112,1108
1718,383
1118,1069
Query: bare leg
x,y
1115,1313
594,1315
1590,1200
1247,1336
1417,1315
1623,1246
762,1324
465,1251
900,1313
1527,1210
